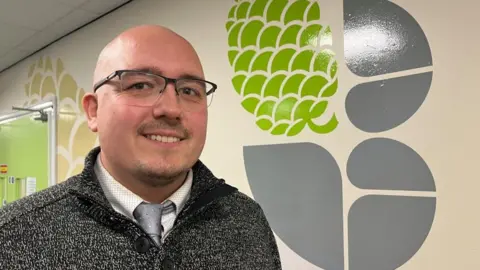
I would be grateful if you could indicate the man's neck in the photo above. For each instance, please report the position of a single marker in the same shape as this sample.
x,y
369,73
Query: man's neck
x,y
148,192
154,194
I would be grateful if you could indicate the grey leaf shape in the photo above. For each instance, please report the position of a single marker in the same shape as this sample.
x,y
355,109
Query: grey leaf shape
x,y
383,105
386,231
382,163
299,186
381,37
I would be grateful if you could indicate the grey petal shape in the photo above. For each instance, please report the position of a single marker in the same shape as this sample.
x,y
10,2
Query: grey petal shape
x,y
383,105
380,37
299,186
387,164
386,231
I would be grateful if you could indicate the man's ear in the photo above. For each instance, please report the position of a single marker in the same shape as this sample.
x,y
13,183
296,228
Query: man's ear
x,y
90,106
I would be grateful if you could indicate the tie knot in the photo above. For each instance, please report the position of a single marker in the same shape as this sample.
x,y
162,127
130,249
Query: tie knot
x,y
149,217
148,211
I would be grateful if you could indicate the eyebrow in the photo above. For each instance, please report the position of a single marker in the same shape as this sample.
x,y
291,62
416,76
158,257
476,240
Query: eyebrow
x,y
159,72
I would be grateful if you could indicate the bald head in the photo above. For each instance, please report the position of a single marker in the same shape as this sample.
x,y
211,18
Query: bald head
x,y
148,46
151,148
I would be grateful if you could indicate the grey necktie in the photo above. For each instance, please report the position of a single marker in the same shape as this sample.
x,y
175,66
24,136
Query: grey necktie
x,y
149,216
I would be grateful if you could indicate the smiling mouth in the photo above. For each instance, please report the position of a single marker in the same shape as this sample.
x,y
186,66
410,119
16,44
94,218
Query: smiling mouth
x,y
164,139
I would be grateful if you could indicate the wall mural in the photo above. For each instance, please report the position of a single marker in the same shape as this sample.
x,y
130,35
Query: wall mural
x,y
285,73
48,78
284,79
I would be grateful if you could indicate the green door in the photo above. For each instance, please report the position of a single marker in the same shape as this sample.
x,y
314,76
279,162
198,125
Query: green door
x,y
24,150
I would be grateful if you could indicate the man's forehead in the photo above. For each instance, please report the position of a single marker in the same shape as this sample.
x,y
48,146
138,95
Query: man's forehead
x,y
180,74
160,64
171,58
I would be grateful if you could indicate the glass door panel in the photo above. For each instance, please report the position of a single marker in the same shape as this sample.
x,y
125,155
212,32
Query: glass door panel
x,y
24,152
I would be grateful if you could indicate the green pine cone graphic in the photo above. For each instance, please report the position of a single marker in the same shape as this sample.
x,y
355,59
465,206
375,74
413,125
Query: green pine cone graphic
x,y
284,69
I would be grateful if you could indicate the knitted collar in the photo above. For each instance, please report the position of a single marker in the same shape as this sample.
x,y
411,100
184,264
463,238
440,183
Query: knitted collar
x,y
87,185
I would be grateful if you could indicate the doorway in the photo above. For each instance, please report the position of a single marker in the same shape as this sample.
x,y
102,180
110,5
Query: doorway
x,y
27,151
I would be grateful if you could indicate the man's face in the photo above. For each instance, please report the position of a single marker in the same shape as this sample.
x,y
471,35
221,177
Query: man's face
x,y
129,135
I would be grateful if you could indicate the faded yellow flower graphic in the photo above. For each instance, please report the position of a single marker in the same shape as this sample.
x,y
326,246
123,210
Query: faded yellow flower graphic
x,y
48,78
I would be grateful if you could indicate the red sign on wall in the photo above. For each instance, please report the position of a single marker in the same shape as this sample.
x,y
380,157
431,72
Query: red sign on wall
x,y
3,168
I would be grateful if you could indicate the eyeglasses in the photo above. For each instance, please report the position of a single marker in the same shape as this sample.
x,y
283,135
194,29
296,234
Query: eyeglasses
x,y
141,88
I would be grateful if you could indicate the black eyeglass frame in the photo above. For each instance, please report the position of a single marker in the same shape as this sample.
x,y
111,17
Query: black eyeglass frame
x,y
167,80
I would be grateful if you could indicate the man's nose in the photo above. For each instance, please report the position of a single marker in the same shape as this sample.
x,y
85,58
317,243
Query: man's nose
x,y
168,104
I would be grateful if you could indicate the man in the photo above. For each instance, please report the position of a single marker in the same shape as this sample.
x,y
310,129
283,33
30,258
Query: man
x,y
144,199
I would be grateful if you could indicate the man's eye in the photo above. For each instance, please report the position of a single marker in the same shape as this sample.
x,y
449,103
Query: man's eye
x,y
189,91
139,86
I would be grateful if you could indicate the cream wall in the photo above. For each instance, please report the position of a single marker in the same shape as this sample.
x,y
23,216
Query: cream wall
x,y
444,130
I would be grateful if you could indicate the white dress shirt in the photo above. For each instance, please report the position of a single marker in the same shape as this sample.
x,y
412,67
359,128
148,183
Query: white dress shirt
x,y
124,201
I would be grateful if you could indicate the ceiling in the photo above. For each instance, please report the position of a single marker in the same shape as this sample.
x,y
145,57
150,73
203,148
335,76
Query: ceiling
x,y
27,26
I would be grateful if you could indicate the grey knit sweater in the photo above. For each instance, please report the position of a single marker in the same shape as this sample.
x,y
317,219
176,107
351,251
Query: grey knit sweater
x,y
72,226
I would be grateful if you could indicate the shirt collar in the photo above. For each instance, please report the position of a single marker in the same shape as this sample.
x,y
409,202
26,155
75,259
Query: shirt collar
x,y
125,201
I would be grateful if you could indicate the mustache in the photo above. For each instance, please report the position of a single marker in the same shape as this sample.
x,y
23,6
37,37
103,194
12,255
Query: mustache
x,y
164,125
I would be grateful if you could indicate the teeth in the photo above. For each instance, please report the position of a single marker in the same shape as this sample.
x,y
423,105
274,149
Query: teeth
x,y
164,139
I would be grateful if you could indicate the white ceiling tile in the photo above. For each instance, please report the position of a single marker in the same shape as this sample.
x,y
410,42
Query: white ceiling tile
x,y
73,3
4,50
3,65
101,7
12,57
32,14
12,35
39,40
74,20
28,25
57,30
